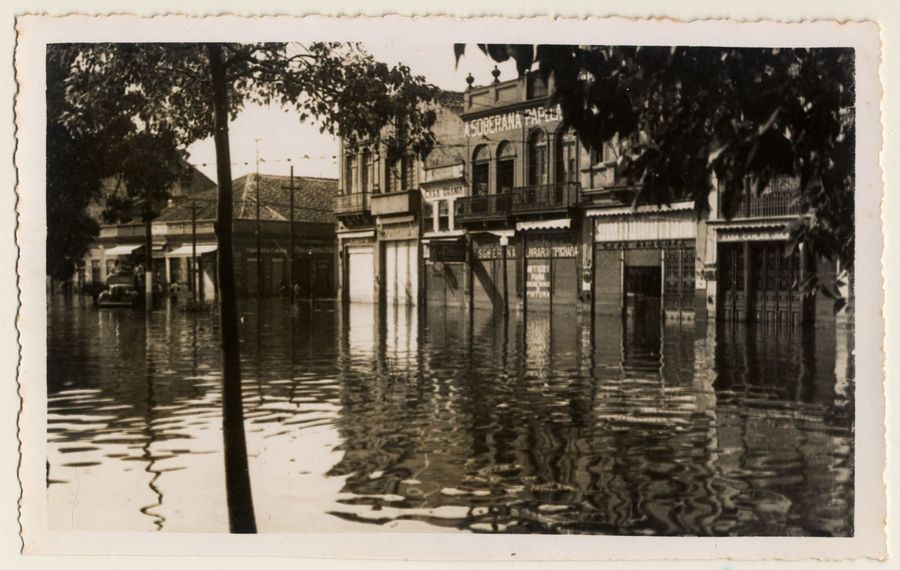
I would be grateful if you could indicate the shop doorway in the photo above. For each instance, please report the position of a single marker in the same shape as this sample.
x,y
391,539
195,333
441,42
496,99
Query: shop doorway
x,y
643,289
400,272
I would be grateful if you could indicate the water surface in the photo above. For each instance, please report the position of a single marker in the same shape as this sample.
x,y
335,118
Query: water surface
x,y
443,420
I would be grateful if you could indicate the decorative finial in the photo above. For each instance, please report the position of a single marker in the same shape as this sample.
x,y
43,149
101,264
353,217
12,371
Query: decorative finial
x,y
469,79
496,73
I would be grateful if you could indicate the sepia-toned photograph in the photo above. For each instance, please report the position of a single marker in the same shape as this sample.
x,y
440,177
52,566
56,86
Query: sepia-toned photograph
x,y
350,285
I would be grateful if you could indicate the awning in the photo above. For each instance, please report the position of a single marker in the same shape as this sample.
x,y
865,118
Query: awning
x,y
119,250
187,250
645,209
559,224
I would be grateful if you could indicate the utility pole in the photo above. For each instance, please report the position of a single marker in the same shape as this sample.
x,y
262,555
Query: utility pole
x,y
194,252
259,261
290,257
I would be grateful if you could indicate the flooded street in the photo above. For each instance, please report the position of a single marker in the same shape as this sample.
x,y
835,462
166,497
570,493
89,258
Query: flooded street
x,y
443,420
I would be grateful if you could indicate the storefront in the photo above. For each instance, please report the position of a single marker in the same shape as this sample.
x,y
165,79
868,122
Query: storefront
x,y
645,261
399,254
496,284
551,275
358,266
445,272
443,244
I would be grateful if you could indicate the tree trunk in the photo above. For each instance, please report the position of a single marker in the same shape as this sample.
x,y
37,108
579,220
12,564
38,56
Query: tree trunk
x,y
237,475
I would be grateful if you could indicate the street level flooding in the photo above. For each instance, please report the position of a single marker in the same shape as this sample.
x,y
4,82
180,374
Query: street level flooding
x,y
445,420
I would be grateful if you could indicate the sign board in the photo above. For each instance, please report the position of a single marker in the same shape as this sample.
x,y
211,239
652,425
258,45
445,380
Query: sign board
x,y
550,248
511,121
450,191
493,252
408,230
454,251
537,285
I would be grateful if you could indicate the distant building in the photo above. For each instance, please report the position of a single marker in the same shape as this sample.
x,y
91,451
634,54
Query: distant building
x,y
97,263
262,272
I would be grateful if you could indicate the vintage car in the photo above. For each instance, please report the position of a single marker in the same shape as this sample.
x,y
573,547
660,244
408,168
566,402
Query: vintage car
x,y
121,291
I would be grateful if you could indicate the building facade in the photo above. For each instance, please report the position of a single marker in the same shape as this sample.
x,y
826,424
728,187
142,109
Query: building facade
x,y
184,241
511,213
382,216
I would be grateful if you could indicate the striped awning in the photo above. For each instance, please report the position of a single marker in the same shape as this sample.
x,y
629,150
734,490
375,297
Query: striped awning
x,y
557,224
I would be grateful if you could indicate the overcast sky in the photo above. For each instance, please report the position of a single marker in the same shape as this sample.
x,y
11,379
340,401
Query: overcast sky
x,y
282,136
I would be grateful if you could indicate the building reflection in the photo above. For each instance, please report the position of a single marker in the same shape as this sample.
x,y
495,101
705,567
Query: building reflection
x,y
556,422
560,423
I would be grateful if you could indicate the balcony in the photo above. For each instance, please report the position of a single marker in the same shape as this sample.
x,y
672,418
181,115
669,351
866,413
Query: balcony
x,y
351,204
769,204
405,202
559,197
779,199
484,208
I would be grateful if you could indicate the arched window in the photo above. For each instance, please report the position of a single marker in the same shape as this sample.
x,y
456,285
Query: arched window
x,y
567,157
481,170
537,158
506,166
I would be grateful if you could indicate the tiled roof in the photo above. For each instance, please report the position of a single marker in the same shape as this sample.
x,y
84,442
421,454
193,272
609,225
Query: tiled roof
x,y
451,99
313,200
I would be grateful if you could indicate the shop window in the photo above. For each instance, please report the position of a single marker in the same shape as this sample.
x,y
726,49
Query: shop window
x,y
481,171
537,158
566,157
506,166
95,271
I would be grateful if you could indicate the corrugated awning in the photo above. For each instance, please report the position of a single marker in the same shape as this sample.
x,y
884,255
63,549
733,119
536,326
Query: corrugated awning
x,y
187,250
122,250
558,224
629,211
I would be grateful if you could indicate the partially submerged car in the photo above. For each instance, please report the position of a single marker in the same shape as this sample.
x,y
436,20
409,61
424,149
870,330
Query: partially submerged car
x,y
121,291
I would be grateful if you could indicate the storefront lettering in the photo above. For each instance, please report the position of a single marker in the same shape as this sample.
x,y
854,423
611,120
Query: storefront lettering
x,y
553,251
513,120
444,192
494,252
398,231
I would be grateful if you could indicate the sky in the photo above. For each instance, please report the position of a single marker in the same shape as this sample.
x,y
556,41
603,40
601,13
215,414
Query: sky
x,y
282,136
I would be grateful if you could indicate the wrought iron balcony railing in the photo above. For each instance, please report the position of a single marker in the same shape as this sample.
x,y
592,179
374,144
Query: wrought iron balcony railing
x,y
483,208
558,196
357,203
770,204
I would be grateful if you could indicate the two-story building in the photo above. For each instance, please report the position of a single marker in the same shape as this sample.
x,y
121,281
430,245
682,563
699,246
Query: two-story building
x,y
382,217
522,214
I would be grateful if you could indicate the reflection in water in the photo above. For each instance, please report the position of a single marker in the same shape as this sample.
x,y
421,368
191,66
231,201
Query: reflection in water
x,y
445,419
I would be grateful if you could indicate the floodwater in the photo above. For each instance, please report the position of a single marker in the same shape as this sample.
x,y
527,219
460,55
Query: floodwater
x,y
442,420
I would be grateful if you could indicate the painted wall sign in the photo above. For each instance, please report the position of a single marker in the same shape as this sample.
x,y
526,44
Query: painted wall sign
x,y
551,248
454,191
537,286
408,230
493,252
511,121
